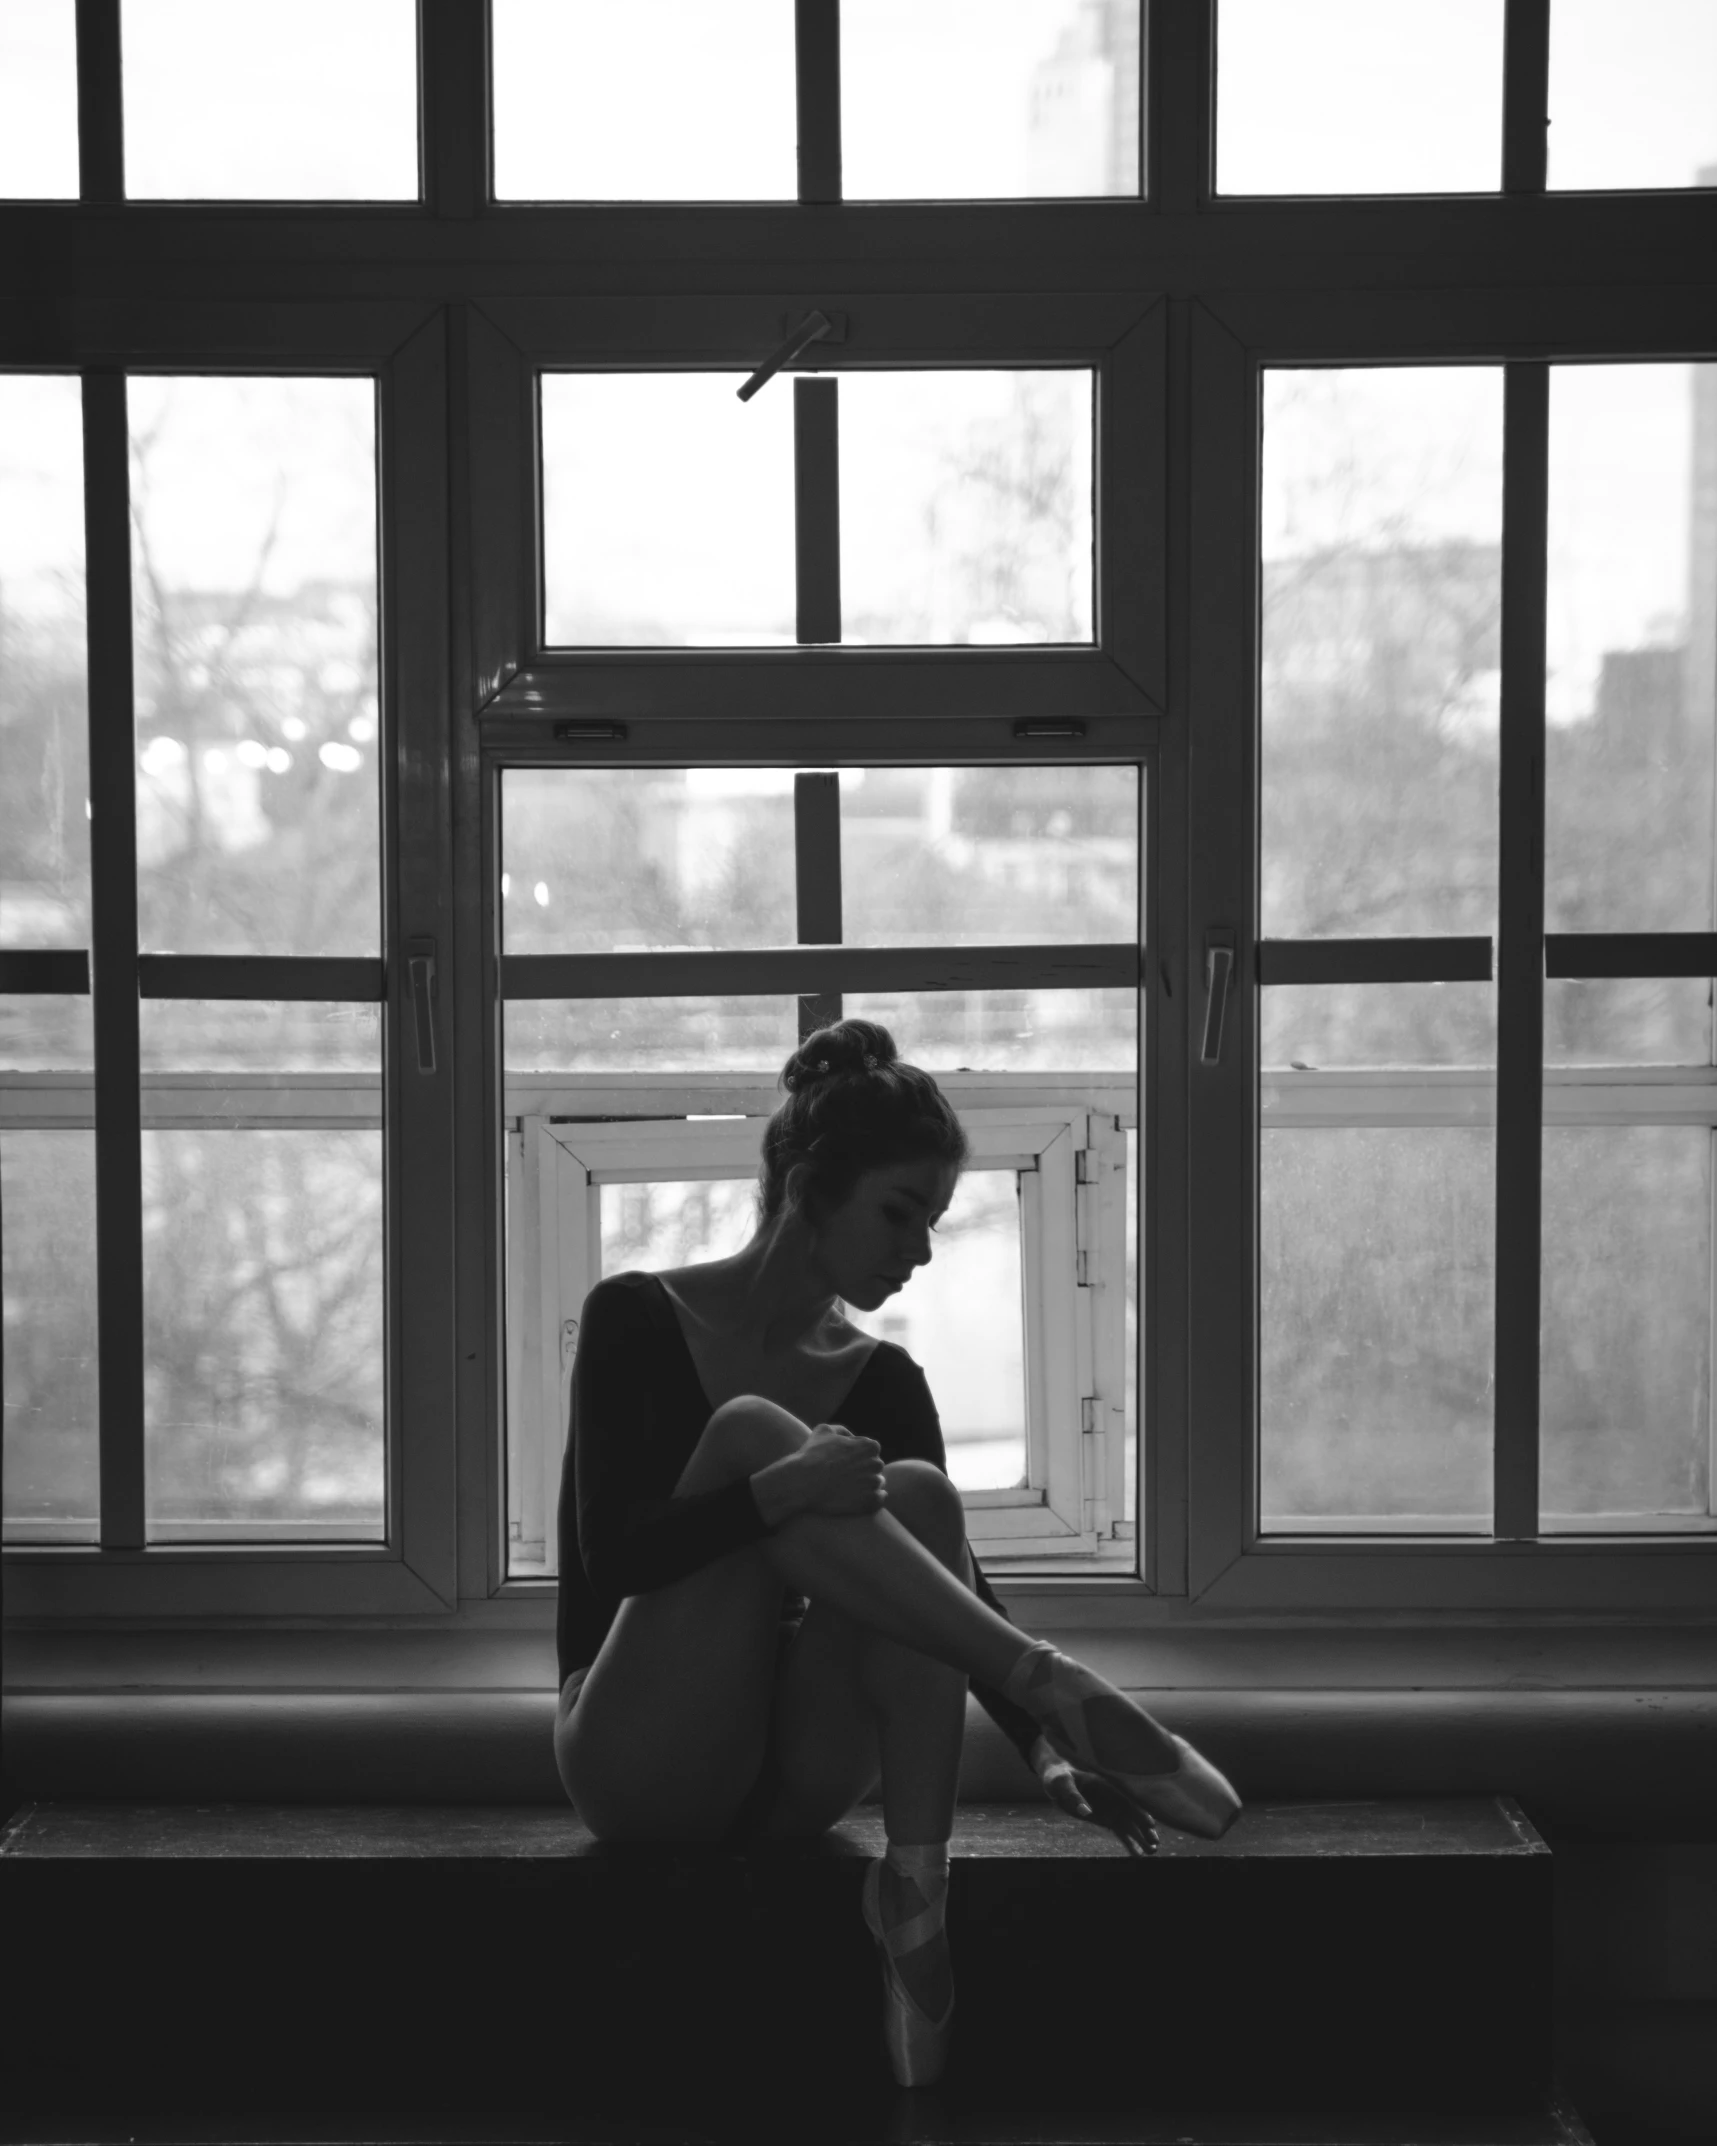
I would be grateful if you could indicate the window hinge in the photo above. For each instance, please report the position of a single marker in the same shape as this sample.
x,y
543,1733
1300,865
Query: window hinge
x,y
1088,1414
1084,1180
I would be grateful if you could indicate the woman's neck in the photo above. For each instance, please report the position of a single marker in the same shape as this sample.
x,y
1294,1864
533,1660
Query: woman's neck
x,y
772,1291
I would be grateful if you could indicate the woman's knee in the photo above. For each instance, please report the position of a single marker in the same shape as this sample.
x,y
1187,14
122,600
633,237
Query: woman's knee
x,y
743,1435
926,1503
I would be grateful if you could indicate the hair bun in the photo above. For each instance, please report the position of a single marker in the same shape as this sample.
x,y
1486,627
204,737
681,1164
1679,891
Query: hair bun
x,y
843,1048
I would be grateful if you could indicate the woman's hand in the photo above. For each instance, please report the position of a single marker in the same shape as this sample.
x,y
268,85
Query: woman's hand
x,y
833,1472
1090,1796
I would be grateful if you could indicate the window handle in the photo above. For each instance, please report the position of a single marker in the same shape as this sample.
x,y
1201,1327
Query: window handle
x,y
811,329
1218,975
420,967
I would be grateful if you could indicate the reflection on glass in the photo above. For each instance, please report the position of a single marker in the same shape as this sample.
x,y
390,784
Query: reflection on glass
x,y
1314,1027
667,511
595,859
263,1335
989,856
44,775
1627,1021
658,100
260,1036
1375,1375
277,100
38,100
46,1033
651,1035
1073,1032
47,1239
1626,1370
1358,97
254,579
966,507
989,99
1631,95
679,1224
1382,591
1631,633
962,1320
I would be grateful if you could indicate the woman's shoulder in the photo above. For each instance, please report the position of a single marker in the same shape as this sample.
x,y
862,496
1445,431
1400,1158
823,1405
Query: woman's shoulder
x,y
629,1297
895,1369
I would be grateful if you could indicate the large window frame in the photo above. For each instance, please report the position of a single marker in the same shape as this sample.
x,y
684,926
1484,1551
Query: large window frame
x,y
1179,299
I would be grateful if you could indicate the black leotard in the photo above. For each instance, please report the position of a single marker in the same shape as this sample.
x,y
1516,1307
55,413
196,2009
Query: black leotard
x,y
638,1409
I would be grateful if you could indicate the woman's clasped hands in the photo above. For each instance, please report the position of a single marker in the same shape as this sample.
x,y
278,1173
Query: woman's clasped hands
x,y
833,1472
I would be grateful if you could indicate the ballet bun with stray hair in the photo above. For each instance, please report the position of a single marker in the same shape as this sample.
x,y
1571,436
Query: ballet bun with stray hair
x,y
852,1104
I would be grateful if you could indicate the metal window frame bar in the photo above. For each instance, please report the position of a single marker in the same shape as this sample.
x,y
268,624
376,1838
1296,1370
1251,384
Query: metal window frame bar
x,y
101,105
817,87
1525,95
113,960
817,508
1520,951
817,883
791,972
1373,961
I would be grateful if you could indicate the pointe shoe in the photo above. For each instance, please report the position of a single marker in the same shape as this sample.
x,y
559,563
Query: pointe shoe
x,y
917,2045
1075,1707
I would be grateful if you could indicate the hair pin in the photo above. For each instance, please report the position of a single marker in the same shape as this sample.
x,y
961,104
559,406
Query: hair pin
x,y
870,1061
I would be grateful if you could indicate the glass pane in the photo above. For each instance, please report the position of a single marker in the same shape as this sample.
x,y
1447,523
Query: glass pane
x,y
667,511
46,1033
1075,1032
277,100
651,1035
1631,96
1626,1380
1382,593
261,1036
989,856
44,717
648,1227
962,1319
1358,97
1628,1020
263,1335
966,507
1312,1027
658,100
989,99
1375,1375
38,100
47,1236
1631,648
595,859
254,575
1130,1435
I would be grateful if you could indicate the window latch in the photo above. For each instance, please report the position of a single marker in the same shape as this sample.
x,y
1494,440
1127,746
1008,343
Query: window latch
x,y
816,327
420,967
1218,976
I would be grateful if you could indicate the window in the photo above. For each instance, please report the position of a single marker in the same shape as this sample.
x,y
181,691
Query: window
x,y
1207,632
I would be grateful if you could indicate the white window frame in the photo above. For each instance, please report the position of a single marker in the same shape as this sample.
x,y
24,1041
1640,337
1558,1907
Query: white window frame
x,y
1071,1164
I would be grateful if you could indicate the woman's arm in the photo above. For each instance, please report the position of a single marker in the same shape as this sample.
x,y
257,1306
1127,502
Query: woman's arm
x,y
628,1450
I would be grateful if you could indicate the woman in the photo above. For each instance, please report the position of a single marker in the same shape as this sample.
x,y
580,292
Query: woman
x,y
735,1447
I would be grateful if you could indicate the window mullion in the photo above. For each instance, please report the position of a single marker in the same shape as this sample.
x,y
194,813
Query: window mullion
x,y
817,883
1520,952
1525,96
101,110
113,960
817,509
817,63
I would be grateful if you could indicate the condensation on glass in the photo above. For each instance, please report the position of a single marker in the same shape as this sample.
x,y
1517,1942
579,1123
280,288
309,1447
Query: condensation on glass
x,y
1632,101
1382,592
1075,1032
263,1335
44,783
262,1037
1631,674
667,508
713,1033
990,99
254,585
604,858
1358,97
656,100
1329,1027
275,100
1625,1408
967,506
1376,1256
51,1460
38,100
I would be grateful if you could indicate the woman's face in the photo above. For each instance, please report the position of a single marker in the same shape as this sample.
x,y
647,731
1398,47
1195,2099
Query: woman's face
x,y
870,1246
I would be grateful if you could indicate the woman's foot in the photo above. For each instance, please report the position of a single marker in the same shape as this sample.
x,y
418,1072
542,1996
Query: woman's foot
x,y
904,1898
1094,1725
